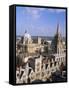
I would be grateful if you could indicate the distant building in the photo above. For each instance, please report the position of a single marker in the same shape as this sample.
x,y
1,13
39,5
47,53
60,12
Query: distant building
x,y
57,43
39,62
30,46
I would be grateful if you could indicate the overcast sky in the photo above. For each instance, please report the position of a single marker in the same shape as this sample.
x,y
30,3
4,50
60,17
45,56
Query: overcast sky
x,y
40,21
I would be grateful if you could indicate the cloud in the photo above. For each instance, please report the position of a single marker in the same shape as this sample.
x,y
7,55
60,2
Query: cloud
x,y
56,10
34,12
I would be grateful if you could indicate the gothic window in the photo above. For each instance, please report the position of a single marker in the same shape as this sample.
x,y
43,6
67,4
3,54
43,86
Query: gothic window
x,y
58,63
46,66
55,64
17,75
50,64
42,66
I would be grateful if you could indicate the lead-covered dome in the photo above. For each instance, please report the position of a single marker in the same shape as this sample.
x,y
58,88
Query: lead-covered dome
x,y
27,38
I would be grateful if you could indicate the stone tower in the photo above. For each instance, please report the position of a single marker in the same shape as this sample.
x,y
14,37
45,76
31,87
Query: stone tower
x,y
57,44
39,40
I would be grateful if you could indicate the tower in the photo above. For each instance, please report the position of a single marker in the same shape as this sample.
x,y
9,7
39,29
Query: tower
x,y
27,38
39,40
27,41
57,44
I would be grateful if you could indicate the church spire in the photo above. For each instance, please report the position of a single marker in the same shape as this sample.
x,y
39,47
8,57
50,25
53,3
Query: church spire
x,y
56,42
58,28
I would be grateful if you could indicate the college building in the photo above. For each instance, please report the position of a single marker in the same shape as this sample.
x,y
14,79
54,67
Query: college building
x,y
37,59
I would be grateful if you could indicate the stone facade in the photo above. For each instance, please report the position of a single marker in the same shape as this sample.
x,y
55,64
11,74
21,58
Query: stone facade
x,y
37,65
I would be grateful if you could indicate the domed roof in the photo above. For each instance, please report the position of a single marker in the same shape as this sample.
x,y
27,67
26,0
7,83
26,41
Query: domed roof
x,y
27,38
27,35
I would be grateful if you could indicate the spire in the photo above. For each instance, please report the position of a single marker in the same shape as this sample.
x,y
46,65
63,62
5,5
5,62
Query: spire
x,y
58,28
57,44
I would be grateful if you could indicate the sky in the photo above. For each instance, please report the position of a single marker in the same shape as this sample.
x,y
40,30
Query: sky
x,y
40,21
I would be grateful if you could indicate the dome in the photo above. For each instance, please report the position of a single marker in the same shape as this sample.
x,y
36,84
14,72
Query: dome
x,y
27,38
